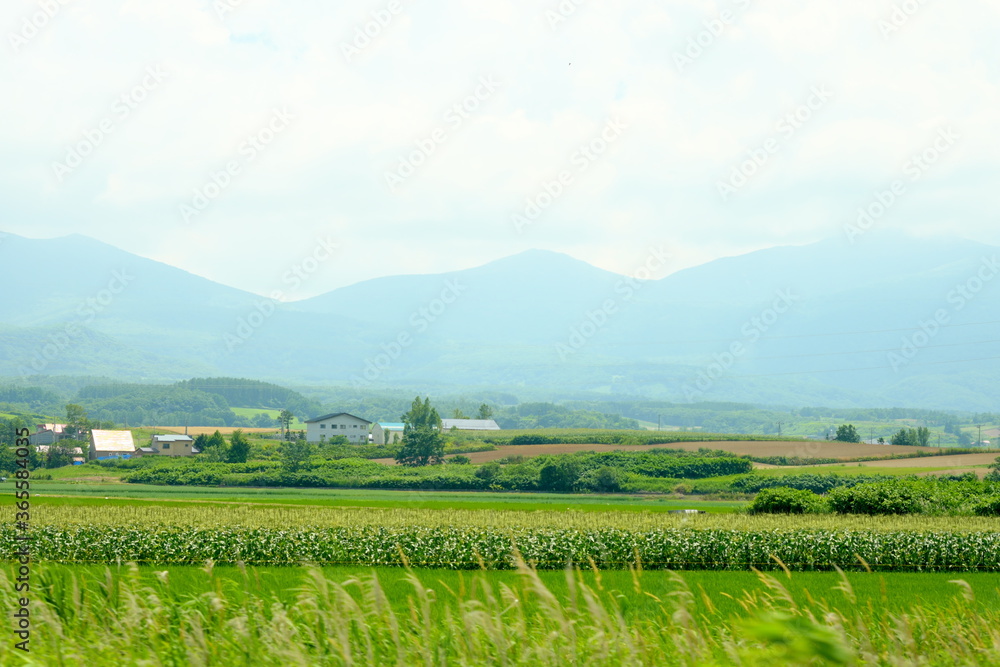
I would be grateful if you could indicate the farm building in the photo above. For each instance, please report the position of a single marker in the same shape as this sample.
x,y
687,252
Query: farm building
x,y
355,429
386,433
171,445
108,444
469,425
47,434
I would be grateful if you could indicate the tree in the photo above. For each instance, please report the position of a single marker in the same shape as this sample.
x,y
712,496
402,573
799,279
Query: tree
x,y
485,412
285,420
216,441
489,472
422,441
213,447
421,415
560,475
76,420
901,437
200,442
239,447
916,437
421,447
847,433
294,454
59,456
458,414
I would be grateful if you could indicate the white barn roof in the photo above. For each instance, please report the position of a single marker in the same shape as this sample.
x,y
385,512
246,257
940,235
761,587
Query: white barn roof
x,y
112,441
470,424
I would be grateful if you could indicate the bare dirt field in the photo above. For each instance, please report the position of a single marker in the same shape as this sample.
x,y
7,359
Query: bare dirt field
x,y
947,461
805,449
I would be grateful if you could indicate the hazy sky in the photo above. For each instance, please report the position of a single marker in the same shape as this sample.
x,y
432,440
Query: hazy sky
x,y
236,139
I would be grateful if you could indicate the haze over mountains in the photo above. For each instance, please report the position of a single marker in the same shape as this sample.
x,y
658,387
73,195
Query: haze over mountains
x,y
888,320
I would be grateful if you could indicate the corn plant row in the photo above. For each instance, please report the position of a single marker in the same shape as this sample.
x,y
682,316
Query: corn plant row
x,y
494,548
228,515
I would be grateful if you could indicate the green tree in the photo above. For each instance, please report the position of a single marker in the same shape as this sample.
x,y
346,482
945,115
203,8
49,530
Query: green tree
x,y
60,455
489,472
77,422
922,436
422,442
903,436
285,420
200,442
294,454
239,447
485,412
458,414
559,475
215,449
847,433
421,415
421,446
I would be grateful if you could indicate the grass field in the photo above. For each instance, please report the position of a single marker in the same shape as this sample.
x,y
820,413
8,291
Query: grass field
x,y
363,616
273,413
52,493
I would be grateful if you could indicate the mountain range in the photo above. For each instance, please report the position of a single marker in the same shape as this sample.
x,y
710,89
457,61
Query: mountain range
x,y
887,320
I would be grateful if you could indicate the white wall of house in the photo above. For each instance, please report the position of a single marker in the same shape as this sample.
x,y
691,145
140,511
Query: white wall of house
x,y
386,436
354,428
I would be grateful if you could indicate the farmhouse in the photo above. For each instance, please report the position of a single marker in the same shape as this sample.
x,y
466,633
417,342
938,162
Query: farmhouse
x,y
355,429
171,445
47,434
469,425
111,444
386,433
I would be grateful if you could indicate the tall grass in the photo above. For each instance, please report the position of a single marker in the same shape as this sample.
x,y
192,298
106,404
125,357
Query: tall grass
x,y
123,620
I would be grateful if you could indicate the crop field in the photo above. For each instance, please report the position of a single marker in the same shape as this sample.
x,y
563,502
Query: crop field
x,y
803,449
52,493
211,615
471,539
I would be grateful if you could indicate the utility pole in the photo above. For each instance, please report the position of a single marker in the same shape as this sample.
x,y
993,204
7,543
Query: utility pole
x,y
979,442
779,429
659,418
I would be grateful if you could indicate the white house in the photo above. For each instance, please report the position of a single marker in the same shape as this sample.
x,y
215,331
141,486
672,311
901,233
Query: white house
x,y
355,429
105,444
387,433
469,425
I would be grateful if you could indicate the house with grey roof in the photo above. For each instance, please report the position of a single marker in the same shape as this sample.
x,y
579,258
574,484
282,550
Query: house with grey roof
x,y
169,444
355,429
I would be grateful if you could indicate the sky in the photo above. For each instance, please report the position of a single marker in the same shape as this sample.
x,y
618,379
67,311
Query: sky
x,y
239,139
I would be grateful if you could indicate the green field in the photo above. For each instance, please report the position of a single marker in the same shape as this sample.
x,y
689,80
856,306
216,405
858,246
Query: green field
x,y
61,493
362,616
273,413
